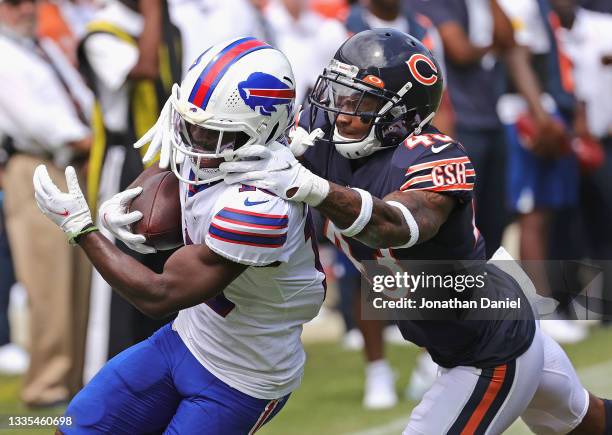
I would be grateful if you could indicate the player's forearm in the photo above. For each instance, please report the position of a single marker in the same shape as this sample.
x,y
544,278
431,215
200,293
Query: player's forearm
x,y
131,279
388,227
458,47
147,66
519,66
384,230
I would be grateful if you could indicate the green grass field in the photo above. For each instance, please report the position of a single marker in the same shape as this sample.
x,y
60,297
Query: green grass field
x,y
329,401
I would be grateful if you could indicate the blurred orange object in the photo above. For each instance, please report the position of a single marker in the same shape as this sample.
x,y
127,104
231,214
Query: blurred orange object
x,y
51,24
589,153
337,9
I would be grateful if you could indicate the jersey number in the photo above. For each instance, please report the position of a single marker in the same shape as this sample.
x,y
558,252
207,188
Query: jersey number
x,y
384,257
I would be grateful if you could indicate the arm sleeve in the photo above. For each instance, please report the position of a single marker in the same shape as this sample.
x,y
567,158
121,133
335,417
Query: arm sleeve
x,y
448,171
255,228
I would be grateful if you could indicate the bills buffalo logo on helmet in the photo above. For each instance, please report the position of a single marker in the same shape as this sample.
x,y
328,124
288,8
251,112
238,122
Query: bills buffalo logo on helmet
x,y
264,91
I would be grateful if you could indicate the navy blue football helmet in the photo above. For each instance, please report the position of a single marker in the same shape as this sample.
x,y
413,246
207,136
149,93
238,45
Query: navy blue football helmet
x,y
387,78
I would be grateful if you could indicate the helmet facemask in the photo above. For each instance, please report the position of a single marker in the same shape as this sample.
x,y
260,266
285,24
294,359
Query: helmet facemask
x,y
338,91
203,140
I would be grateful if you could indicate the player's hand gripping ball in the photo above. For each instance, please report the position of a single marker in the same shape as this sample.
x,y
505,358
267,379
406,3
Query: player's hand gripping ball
x,y
146,218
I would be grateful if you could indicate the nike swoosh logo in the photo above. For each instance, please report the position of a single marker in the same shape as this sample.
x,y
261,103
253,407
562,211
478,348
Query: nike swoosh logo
x,y
436,150
64,213
249,203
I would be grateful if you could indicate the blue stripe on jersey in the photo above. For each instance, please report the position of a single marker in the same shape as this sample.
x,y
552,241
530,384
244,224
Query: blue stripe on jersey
x,y
274,221
251,239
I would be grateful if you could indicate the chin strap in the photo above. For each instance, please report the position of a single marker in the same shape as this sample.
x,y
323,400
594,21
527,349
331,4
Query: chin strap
x,y
366,147
422,124
370,144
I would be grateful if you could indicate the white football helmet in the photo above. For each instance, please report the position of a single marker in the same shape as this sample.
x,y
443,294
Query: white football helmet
x,y
235,94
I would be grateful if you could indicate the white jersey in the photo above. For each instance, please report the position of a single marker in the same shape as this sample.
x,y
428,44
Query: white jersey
x,y
249,335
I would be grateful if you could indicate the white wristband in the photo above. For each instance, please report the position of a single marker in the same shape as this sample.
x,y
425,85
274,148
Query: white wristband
x,y
319,189
412,224
364,215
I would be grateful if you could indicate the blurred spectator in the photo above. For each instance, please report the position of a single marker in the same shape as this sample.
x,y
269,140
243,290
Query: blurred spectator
x,y
597,5
77,14
51,24
398,15
401,15
64,22
131,60
308,40
13,359
204,23
337,9
473,34
379,391
542,172
42,109
587,36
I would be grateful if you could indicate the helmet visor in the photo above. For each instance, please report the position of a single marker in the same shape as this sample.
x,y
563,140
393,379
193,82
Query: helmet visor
x,y
207,142
351,108
346,98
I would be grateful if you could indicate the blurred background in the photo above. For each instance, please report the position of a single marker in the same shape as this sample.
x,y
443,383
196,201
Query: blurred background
x,y
528,93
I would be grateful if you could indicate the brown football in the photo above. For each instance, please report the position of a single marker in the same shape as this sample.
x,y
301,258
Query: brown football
x,y
160,206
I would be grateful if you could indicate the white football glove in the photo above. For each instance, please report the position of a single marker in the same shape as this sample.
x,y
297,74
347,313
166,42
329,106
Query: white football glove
x,y
278,171
300,140
67,210
115,218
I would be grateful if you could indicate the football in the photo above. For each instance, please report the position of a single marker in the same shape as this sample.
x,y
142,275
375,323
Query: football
x,y
160,206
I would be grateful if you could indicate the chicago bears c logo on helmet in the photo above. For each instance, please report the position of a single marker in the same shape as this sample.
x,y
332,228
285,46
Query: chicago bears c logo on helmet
x,y
265,91
421,78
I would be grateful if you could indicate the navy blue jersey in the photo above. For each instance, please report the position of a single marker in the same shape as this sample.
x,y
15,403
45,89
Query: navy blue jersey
x,y
433,162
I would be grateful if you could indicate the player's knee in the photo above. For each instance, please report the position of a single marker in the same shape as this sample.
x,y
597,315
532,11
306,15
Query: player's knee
x,y
595,420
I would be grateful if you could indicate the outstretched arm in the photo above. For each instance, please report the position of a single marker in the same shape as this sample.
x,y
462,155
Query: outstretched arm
x,y
192,275
401,219
387,227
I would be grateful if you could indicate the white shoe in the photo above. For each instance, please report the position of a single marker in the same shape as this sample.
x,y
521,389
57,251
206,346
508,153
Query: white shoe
x,y
564,331
352,340
13,360
422,378
379,386
392,335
